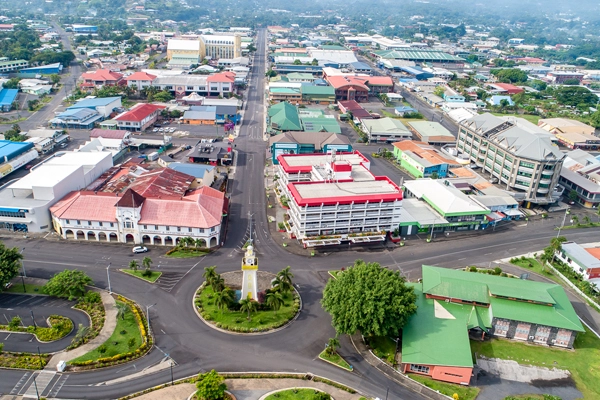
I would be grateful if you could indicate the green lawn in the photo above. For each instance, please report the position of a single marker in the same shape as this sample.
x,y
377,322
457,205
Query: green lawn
x,y
335,359
29,289
463,392
301,394
537,268
583,362
138,274
581,225
119,341
237,320
531,118
383,347
186,253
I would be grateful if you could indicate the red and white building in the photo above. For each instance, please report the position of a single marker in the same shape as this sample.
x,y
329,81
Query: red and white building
x,y
220,84
584,261
334,199
99,78
158,209
139,118
140,80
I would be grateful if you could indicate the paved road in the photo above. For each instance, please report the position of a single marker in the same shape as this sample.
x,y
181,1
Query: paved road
x,y
196,347
12,305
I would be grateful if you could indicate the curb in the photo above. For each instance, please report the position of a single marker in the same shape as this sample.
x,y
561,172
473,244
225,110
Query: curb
x,y
264,396
213,326
334,364
145,280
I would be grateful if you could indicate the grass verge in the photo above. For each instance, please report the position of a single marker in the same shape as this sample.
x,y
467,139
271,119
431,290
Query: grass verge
x,y
154,275
29,289
581,362
126,337
294,394
185,253
23,360
236,321
534,265
463,392
383,347
577,226
336,359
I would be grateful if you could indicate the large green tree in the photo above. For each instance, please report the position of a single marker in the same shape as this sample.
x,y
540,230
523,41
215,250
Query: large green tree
x,y
210,386
369,298
10,262
70,284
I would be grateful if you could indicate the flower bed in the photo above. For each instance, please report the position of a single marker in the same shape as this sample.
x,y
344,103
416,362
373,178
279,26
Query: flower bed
x,y
59,328
91,304
23,360
146,344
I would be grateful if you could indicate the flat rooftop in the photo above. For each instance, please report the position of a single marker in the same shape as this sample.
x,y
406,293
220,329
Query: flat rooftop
x,y
294,162
331,193
45,176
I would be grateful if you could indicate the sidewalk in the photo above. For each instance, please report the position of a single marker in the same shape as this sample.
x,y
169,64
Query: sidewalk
x,y
250,389
110,322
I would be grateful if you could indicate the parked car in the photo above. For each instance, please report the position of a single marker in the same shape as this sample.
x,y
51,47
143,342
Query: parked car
x,y
161,130
139,249
155,130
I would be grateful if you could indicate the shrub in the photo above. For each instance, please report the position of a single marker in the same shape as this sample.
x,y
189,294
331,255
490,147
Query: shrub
x,y
131,342
147,273
102,349
92,297
497,271
14,323
473,269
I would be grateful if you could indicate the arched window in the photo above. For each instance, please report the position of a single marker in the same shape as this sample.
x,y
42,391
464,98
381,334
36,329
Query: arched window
x,y
128,223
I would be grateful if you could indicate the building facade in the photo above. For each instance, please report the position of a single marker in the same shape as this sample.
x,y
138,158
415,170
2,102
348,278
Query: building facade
x,y
523,161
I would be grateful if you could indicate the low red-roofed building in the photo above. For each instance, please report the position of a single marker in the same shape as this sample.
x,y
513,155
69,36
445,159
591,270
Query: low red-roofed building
x,y
159,217
100,78
358,87
139,118
140,80
509,88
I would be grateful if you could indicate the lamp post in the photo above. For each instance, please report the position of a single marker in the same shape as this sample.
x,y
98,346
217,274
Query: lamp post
x,y
148,315
33,319
108,277
37,393
563,222
22,263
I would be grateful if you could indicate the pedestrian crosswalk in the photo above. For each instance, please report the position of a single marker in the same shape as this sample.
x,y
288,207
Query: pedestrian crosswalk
x,y
33,385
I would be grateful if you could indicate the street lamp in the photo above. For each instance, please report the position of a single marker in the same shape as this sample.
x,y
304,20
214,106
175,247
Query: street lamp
x,y
148,315
33,319
22,263
108,277
563,222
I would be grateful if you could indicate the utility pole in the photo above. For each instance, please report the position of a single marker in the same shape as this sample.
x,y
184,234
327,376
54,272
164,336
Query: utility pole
x,y
22,263
108,277
563,223
148,315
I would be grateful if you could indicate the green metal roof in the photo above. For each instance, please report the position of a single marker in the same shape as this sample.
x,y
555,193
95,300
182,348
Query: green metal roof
x,y
301,75
417,55
310,90
321,124
332,47
437,333
285,117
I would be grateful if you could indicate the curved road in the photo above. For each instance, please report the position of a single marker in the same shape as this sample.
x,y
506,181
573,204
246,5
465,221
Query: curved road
x,y
196,347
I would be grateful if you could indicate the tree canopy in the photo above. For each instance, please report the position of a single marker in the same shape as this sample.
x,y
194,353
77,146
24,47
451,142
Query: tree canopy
x,y
68,283
9,264
575,95
369,298
510,75
210,386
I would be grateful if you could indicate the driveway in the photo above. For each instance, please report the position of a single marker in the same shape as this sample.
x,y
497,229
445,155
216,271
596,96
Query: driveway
x,y
13,305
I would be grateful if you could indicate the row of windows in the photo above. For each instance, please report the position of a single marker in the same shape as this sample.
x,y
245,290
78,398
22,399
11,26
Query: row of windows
x,y
11,214
129,225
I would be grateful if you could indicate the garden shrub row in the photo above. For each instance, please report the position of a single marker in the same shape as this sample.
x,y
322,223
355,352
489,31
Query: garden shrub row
x,y
59,328
91,303
23,360
130,355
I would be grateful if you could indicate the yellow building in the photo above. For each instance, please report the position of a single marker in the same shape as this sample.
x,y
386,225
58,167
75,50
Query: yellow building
x,y
213,46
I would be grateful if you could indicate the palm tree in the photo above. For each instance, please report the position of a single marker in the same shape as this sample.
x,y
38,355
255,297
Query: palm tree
x,y
133,264
275,301
248,305
146,262
286,275
587,220
283,280
199,243
218,284
556,245
332,345
575,219
121,310
210,273
223,298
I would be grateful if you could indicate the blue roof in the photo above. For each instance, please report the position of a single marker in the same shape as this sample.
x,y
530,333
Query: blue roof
x,y
212,109
405,109
195,170
55,66
93,103
11,150
495,100
360,65
8,96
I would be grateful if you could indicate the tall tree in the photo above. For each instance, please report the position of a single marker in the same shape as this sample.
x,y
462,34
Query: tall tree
x,y
275,301
370,299
332,345
210,273
146,262
223,298
133,265
285,279
10,262
248,305
70,284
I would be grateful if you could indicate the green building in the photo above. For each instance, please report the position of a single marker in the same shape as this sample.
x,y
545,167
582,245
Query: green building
x,y
307,143
283,117
317,94
454,304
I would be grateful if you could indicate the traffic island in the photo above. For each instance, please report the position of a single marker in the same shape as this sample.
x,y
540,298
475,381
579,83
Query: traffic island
x,y
297,394
274,308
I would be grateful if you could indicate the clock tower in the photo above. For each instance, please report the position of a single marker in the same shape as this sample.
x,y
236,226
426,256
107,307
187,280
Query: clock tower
x,y
249,268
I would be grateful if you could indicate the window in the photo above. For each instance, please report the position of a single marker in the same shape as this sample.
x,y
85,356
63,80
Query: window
x,y
155,227
128,224
89,222
201,230
212,229
112,224
78,222
145,226
178,229
501,327
166,228
67,221
100,224
189,229
419,368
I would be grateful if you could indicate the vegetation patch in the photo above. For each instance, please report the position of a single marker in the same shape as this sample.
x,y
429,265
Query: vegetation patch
x,y
147,275
23,360
336,359
59,328
130,339
90,303
535,266
299,394
276,306
449,389
579,362
29,289
383,347
186,252
529,117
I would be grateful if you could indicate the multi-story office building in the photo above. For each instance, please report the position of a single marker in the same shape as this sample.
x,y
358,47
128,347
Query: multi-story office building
x,y
342,202
526,162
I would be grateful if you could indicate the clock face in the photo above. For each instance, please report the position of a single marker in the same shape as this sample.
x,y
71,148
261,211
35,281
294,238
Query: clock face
x,y
250,261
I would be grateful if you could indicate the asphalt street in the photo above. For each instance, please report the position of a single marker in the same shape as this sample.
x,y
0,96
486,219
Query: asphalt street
x,y
194,346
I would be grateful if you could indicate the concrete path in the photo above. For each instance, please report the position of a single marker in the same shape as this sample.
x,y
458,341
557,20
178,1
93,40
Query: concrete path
x,y
110,322
249,389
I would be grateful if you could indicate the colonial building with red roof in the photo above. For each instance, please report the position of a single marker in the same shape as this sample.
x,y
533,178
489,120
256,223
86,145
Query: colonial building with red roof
x,y
152,211
140,80
139,117
100,78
